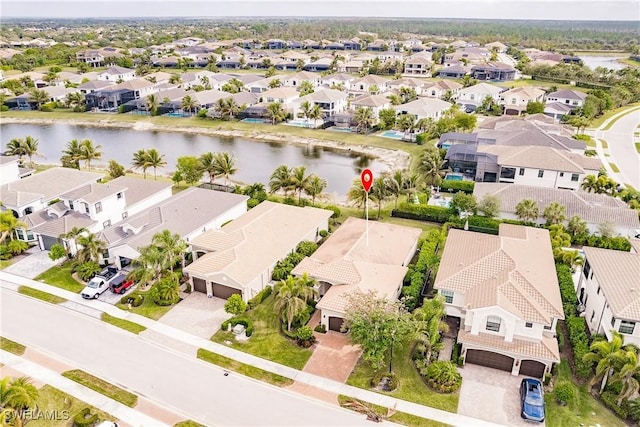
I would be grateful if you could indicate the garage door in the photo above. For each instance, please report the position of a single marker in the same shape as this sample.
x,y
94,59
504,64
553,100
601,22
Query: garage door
x,y
532,368
224,292
335,323
489,359
200,285
48,241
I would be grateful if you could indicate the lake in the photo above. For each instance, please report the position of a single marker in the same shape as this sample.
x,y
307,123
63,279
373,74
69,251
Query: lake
x,y
603,61
256,160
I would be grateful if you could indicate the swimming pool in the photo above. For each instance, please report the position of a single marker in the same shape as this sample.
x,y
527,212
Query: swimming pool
x,y
393,134
453,177
337,129
299,123
443,203
176,114
252,120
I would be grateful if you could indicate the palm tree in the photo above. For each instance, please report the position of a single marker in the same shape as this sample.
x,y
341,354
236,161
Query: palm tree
x,y
380,191
40,97
140,161
396,184
227,108
576,226
72,235
154,160
208,165
608,356
189,104
92,248
315,113
276,113
527,210
554,213
315,188
30,145
429,325
152,103
291,298
72,154
225,165
628,373
364,119
299,180
8,225
148,266
75,99
89,152
357,195
17,396
175,79
280,180
171,246
306,109
430,165
590,183
275,83
406,123
305,88
15,147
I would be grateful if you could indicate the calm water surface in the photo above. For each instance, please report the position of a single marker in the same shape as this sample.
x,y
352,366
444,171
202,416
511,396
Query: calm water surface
x,y
603,61
255,160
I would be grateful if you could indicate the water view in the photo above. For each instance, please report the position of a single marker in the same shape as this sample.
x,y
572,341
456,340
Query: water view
x,y
256,160
609,62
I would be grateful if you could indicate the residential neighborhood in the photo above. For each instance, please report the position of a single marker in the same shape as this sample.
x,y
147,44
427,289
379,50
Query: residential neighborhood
x,y
253,220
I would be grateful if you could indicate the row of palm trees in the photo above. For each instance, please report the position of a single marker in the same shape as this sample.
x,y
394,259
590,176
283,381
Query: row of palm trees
x,y
387,186
527,210
297,180
76,151
145,159
27,146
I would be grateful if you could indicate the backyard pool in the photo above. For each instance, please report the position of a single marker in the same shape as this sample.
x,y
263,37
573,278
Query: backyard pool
x,y
251,120
300,124
393,134
453,177
176,114
443,203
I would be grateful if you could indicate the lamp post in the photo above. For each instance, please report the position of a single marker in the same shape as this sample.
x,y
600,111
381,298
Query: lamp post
x,y
393,331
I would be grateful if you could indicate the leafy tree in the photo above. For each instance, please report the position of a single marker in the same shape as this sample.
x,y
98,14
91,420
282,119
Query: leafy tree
x,y
57,251
534,107
189,169
376,324
280,180
235,305
115,169
387,118
527,210
489,205
554,213
276,113
8,225
463,202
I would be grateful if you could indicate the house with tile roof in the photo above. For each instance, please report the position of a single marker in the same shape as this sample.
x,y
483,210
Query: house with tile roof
x,y
239,258
440,88
473,96
376,103
505,291
418,65
352,261
609,292
11,170
423,108
331,102
515,100
115,74
593,208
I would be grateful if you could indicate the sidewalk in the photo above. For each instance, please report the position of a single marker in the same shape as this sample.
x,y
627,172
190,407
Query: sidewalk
x,y
46,376
11,281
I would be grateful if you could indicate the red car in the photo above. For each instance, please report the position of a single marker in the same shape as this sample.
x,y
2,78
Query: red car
x,y
120,285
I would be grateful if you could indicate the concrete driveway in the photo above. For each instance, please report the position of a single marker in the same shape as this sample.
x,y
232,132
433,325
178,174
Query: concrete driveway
x,y
31,266
491,395
197,314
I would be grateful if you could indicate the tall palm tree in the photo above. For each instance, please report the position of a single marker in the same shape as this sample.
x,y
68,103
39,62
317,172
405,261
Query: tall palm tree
x,y
554,213
39,97
396,184
306,109
406,123
280,180
15,147
225,165
75,99
188,103
171,246
291,298
276,113
305,88
140,161
148,266
590,183
92,248
628,373
151,103
356,195
227,108
30,145
608,357
208,163
364,119
380,191
299,180
315,188
89,152
275,83
73,235
428,326
8,225
315,113
154,160
527,210
72,153
430,165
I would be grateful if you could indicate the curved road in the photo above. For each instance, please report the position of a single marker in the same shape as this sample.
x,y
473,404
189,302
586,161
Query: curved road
x,y
620,139
192,386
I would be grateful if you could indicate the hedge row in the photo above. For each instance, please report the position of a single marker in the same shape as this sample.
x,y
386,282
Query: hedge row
x,y
423,212
248,325
455,186
427,260
261,296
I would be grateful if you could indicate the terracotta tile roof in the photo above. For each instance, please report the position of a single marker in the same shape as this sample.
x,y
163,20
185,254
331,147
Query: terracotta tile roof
x,y
618,274
546,349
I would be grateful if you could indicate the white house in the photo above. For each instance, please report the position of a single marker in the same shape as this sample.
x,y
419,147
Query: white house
x,y
440,88
572,98
331,102
609,292
515,100
376,103
505,291
476,94
239,258
115,74
593,208
347,263
424,108
296,79
418,65
283,95
369,84
10,170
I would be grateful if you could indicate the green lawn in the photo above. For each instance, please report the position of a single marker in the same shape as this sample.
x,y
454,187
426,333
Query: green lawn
x,y
266,341
604,144
12,346
112,391
51,399
60,276
127,325
614,167
44,296
398,417
585,411
600,120
241,368
4,263
148,308
411,388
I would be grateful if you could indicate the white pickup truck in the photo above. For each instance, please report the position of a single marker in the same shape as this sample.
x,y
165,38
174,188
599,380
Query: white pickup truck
x,y
99,283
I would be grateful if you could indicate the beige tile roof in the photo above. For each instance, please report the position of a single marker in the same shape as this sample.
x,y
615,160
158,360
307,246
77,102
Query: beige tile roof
x,y
546,349
514,270
324,95
423,106
538,157
63,225
259,238
618,274
370,101
280,92
591,207
526,92
635,244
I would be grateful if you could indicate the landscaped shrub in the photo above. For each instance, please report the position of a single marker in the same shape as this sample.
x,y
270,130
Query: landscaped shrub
x,y
48,107
577,327
235,305
422,212
305,337
166,292
87,270
427,261
252,203
323,233
321,329
614,387
261,296
85,418
565,393
441,376
5,253
16,247
455,186
248,325
306,248
135,299
57,251
455,353
610,400
567,291
283,268
392,378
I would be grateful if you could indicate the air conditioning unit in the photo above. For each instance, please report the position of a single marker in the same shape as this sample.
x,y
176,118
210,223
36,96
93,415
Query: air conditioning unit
x,y
581,308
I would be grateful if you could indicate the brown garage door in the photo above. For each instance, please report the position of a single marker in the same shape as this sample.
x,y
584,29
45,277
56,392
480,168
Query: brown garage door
x,y
335,323
532,368
224,292
490,359
200,285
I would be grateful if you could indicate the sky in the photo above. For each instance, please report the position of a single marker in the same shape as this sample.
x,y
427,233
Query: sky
x,y
590,10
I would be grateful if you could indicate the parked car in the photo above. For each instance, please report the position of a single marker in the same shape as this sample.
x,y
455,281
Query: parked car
x,y
99,283
120,284
532,400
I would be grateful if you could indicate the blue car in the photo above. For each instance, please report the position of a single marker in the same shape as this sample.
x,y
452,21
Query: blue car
x,y
532,400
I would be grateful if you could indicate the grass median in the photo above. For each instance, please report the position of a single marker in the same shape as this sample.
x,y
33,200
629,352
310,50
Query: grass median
x,y
41,295
51,399
386,414
60,276
12,346
241,368
127,325
96,384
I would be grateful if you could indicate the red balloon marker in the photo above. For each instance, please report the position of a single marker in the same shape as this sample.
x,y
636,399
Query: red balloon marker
x,y
366,177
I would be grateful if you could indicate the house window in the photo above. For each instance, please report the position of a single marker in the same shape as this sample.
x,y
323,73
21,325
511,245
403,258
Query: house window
x,y
119,196
561,174
125,214
586,268
613,321
106,224
574,177
528,325
548,327
86,207
521,172
98,207
598,291
540,173
71,204
493,324
448,296
626,327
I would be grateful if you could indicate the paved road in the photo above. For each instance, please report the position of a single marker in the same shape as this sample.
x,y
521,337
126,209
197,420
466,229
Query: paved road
x,y
622,149
192,386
